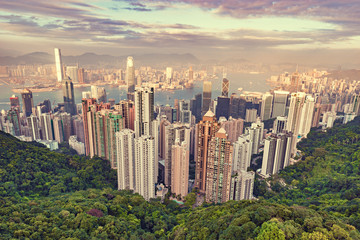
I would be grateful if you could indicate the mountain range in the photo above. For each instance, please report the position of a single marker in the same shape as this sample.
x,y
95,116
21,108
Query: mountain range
x,y
92,59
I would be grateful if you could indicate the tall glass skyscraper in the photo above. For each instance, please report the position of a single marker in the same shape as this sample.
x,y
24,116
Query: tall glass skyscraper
x,y
58,64
130,75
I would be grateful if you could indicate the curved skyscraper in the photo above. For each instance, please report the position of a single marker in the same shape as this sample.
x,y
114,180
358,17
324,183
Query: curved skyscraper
x,y
130,75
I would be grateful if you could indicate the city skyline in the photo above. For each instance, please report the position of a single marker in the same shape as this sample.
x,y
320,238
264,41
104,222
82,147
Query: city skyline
x,y
260,30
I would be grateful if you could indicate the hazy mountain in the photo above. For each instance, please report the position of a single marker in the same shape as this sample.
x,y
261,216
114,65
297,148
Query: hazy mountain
x,y
92,59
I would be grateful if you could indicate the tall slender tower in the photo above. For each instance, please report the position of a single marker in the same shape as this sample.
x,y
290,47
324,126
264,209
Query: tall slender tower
x,y
207,85
58,64
180,168
27,102
130,74
218,176
266,106
144,111
205,130
225,87
69,99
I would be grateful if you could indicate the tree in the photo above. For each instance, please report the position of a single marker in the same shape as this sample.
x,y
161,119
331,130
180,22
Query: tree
x,y
270,231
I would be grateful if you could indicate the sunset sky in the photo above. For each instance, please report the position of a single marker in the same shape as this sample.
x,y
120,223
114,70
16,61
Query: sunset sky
x,y
208,29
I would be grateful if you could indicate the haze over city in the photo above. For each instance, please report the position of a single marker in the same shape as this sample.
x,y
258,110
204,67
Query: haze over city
x,y
303,32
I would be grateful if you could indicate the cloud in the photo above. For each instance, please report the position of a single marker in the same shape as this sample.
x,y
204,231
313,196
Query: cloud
x,y
139,9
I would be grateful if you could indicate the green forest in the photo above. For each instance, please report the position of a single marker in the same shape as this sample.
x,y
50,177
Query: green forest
x,y
55,195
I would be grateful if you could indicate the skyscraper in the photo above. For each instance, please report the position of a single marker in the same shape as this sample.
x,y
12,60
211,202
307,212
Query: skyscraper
x,y
27,102
242,186
72,73
14,102
279,124
205,130
180,168
125,148
146,165
277,151
14,117
225,87
207,86
46,126
219,164
233,127
266,106
130,74
86,108
279,106
223,107
306,116
144,111
58,64
242,153
33,125
195,106
69,99
256,132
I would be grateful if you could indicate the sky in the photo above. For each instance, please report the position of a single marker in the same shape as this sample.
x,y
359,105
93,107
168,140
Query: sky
x,y
262,30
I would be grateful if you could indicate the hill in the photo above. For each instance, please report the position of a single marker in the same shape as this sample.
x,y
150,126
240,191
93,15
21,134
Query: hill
x,y
49,195
327,178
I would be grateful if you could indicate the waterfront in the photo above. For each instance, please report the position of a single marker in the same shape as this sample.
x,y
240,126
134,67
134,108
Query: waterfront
x,y
248,82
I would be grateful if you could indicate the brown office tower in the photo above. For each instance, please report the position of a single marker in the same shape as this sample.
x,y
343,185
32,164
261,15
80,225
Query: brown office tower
x,y
205,131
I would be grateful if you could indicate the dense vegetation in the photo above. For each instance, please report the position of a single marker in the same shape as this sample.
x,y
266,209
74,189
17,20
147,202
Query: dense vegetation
x,y
328,177
30,169
51,195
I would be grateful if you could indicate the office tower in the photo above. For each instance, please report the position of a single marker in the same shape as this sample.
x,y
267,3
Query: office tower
x,y
234,128
94,92
256,132
250,115
169,74
13,116
279,124
101,95
66,124
58,64
46,126
207,85
195,106
173,132
81,75
169,112
27,102
242,153
130,75
145,166
72,73
306,116
280,101
242,186
33,125
86,94
277,151
125,148
266,106
180,168
184,111
316,115
144,111
205,130
69,99
219,164
225,88
237,106
14,102
191,74
58,129
223,107
293,121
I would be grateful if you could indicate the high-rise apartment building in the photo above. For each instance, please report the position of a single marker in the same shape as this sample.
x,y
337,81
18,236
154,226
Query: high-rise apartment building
x,y
180,168
144,111
46,126
279,105
242,186
72,72
251,115
242,153
27,102
277,152
266,106
306,116
33,125
14,102
219,166
233,127
58,64
256,132
125,147
205,131
279,124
